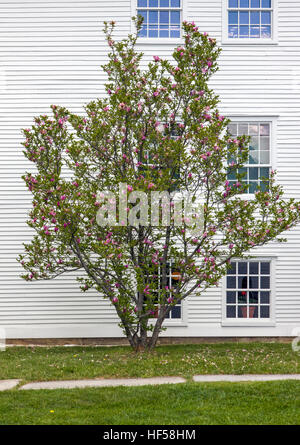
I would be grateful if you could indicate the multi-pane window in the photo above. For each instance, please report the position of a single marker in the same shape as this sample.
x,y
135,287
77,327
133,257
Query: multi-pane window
x,y
173,277
162,18
248,289
257,169
152,165
250,19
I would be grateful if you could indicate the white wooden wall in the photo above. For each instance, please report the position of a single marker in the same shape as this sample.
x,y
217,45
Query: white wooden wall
x,y
50,53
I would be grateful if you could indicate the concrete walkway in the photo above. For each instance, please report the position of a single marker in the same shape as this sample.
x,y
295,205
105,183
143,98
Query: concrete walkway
x,y
245,377
8,384
68,384
101,383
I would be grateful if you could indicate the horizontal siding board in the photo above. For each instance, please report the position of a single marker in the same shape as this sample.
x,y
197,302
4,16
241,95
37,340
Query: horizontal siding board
x,y
50,52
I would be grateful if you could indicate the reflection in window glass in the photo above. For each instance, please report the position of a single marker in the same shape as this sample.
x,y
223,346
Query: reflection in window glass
x,y
250,19
257,170
248,289
162,18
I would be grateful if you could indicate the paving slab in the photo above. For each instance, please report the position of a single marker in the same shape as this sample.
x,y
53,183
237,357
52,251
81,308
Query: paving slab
x,y
8,384
245,377
69,384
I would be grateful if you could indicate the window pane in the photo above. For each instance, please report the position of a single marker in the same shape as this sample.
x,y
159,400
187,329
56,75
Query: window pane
x,y
232,128
265,143
266,3
266,32
253,145
175,3
153,3
175,17
265,268
244,172
143,14
153,17
264,297
255,3
264,186
253,129
164,17
242,312
266,18
244,3
233,3
252,187
231,297
164,3
264,312
254,18
242,282
142,3
253,282
253,297
264,157
254,31
231,282
264,172
242,268
230,312
244,18
232,269
242,297
243,129
253,268
232,18
231,174
232,32
244,31
253,173
153,31
143,31
265,282
176,312
175,32
264,129
164,31
253,311
253,157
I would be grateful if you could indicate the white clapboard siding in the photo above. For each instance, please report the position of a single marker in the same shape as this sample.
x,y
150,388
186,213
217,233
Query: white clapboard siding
x,y
51,53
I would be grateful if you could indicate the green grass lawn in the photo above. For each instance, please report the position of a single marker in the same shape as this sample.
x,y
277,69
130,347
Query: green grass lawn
x,y
185,404
49,363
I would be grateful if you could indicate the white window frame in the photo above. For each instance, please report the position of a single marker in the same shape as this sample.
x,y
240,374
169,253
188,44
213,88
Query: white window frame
x,y
240,322
272,120
247,41
175,322
159,40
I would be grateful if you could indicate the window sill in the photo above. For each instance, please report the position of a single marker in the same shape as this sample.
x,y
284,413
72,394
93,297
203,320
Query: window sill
x,y
174,324
248,42
248,323
169,323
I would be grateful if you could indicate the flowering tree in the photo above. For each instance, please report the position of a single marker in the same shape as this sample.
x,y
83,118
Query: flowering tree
x,y
157,129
